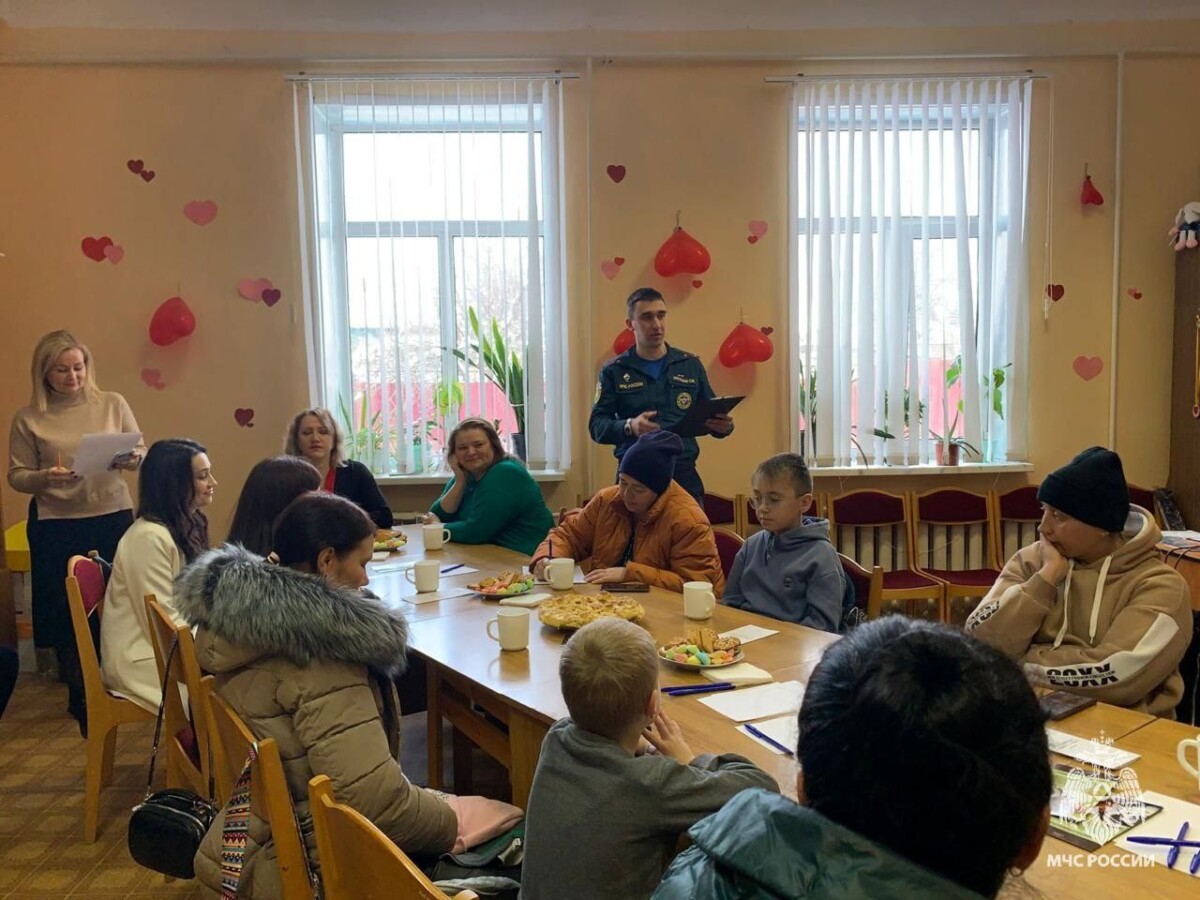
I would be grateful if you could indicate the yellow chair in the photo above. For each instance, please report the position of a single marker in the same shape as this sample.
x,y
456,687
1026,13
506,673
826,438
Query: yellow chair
x,y
358,861
184,681
270,798
16,548
105,711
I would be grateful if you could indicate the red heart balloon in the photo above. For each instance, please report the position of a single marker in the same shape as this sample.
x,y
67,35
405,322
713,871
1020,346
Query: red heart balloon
x,y
681,253
624,341
171,321
745,344
1088,195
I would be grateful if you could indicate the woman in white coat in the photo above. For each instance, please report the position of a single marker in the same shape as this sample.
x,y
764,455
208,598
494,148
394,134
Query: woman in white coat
x,y
175,485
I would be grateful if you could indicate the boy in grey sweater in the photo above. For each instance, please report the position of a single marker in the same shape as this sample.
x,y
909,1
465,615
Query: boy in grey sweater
x,y
789,570
617,784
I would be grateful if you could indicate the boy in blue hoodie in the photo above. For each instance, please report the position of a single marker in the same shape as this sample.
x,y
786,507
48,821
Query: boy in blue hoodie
x,y
789,570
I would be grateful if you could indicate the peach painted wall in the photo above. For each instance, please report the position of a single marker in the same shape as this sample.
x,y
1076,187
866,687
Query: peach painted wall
x,y
707,138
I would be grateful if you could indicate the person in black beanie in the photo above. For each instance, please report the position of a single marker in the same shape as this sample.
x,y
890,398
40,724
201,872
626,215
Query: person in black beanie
x,y
645,528
1090,607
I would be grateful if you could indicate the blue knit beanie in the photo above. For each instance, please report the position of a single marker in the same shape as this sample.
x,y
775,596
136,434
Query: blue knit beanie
x,y
651,459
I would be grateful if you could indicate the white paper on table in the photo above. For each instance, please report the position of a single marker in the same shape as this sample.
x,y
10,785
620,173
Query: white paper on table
x,y
758,702
96,451
450,570
784,730
742,674
433,596
1088,751
1164,824
748,633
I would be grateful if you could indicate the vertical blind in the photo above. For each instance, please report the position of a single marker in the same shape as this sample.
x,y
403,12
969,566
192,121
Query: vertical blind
x,y
432,212
909,272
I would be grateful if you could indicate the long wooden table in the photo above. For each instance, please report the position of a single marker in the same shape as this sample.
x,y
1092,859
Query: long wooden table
x,y
520,698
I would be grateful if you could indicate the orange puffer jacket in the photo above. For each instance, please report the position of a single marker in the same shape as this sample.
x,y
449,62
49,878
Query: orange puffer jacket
x,y
673,544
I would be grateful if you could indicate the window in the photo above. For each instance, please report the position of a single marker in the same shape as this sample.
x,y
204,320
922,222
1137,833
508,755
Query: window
x,y
437,276
909,276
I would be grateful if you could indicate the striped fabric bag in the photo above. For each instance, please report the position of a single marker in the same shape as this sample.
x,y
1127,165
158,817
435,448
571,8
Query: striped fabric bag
x,y
234,833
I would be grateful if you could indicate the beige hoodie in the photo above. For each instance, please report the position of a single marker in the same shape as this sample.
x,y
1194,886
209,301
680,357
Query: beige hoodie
x,y
1114,629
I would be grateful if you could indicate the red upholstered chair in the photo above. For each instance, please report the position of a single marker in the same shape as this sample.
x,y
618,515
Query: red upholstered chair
x,y
728,545
721,510
954,542
868,586
105,711
872,527
1144,497
750,523
1017,516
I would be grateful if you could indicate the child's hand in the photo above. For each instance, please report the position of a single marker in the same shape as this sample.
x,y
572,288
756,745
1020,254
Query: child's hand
x,y
667,738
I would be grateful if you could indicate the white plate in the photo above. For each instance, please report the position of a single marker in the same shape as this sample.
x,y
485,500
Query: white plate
x,y
693,667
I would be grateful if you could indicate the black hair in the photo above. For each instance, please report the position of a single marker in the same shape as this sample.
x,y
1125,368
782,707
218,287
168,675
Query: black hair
x,y
316,521
271,485
927,742
790,466
166,494
641,295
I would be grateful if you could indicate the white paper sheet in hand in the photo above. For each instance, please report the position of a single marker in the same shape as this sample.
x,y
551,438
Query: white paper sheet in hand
x,y
748,633
1165,824
758,702
96,451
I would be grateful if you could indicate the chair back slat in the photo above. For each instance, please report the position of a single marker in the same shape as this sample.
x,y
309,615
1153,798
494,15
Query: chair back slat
x,y
728,545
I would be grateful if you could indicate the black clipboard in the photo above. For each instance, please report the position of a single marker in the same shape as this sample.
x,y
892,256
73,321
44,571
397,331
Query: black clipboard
x,y
692,424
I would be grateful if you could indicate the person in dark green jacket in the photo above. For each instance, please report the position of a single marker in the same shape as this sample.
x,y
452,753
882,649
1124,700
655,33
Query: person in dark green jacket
x,y
924,773
492,498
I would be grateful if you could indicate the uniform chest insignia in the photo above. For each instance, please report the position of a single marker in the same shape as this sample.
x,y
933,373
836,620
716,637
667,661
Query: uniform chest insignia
x,y
684,400
626,377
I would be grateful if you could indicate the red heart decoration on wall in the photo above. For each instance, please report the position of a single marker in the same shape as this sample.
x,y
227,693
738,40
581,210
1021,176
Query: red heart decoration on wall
x,y
1088,367
153,378
681,253
623,341
616,173
171,321
93,248
697,284
1134,294
135,166
201,212
745,344
1088,195
752,239
147,175
619,260
271,296
1055,291
767,329
243,417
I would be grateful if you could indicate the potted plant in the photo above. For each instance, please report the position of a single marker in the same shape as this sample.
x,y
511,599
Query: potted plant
x,y
949,447
502,366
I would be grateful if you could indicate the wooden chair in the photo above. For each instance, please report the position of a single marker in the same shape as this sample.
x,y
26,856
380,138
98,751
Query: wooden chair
x,y
721,510
954,541
270,798
189,763
358,861
868,586
105,711
728,545
750,523
1018,514
1144,497
873,528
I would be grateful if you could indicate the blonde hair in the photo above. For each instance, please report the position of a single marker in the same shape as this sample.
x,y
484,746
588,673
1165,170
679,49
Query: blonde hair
x,y
608,671
291,440
47,351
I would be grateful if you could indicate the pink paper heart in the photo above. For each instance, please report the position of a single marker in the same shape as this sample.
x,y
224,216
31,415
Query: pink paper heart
x,y
271,296
200,212
243,417
153,378
1088,367
752,239
252,288
609,269
758,227
114,253
1134,294
697,284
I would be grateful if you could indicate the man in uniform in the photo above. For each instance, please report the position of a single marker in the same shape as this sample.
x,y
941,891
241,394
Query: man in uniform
x,y
651,386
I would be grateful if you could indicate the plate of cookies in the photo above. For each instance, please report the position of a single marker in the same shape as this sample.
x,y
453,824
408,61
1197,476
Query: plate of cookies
x,y
386,539
572,610
506,584
702,648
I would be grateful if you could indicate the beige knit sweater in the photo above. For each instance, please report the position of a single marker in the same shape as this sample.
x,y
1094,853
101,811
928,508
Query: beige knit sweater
x,y
37,439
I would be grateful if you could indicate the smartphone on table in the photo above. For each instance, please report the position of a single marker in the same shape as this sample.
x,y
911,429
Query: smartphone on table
x,y
626,587
1060,704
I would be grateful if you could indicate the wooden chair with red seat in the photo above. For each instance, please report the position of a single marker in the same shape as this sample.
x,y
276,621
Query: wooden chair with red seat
x,y
1144,497
721,510
872,527
1018,514
868,586
105,711
728,545
954,541
185,736
358,861
750,523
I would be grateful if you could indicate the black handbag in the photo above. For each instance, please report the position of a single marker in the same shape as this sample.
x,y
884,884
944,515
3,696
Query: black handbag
x,y
166,828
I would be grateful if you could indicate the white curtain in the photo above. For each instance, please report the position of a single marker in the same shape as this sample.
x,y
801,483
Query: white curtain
x,y
431,218
909,267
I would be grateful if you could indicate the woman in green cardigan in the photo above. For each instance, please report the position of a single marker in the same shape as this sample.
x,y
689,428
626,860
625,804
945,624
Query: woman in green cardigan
x,y
491,499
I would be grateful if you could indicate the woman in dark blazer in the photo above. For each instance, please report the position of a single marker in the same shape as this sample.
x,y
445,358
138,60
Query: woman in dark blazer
x,y
315,436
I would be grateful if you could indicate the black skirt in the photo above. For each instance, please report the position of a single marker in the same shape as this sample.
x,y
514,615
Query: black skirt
x,y
52,542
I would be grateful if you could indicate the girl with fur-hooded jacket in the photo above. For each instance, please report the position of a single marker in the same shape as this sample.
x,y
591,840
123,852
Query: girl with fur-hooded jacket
x,y
308,663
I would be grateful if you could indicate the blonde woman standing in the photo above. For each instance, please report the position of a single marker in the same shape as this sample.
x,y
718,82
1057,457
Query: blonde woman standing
x,y
69,514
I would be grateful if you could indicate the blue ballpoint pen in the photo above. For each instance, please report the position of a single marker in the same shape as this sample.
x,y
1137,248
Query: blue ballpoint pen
x,y
1195,863
684,690
1173,853
449,569
1162,842
769,740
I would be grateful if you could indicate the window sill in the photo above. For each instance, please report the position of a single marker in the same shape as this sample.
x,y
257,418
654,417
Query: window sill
x,y
440,478
884,471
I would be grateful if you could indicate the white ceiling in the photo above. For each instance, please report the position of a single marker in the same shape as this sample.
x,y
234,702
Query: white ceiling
x,y
431,16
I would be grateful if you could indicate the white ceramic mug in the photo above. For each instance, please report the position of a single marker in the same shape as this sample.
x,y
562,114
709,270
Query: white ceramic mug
x,y
699,601
425,575
512,623
561,573
434,536
1181,754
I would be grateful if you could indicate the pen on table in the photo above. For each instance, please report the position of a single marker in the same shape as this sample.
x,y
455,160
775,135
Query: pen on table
x,y
681,690
1173,853
1162,842
1195,863
449,569
769,740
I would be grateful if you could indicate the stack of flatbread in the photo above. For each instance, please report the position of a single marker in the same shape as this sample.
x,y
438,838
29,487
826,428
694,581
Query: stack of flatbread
x,y
572,610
